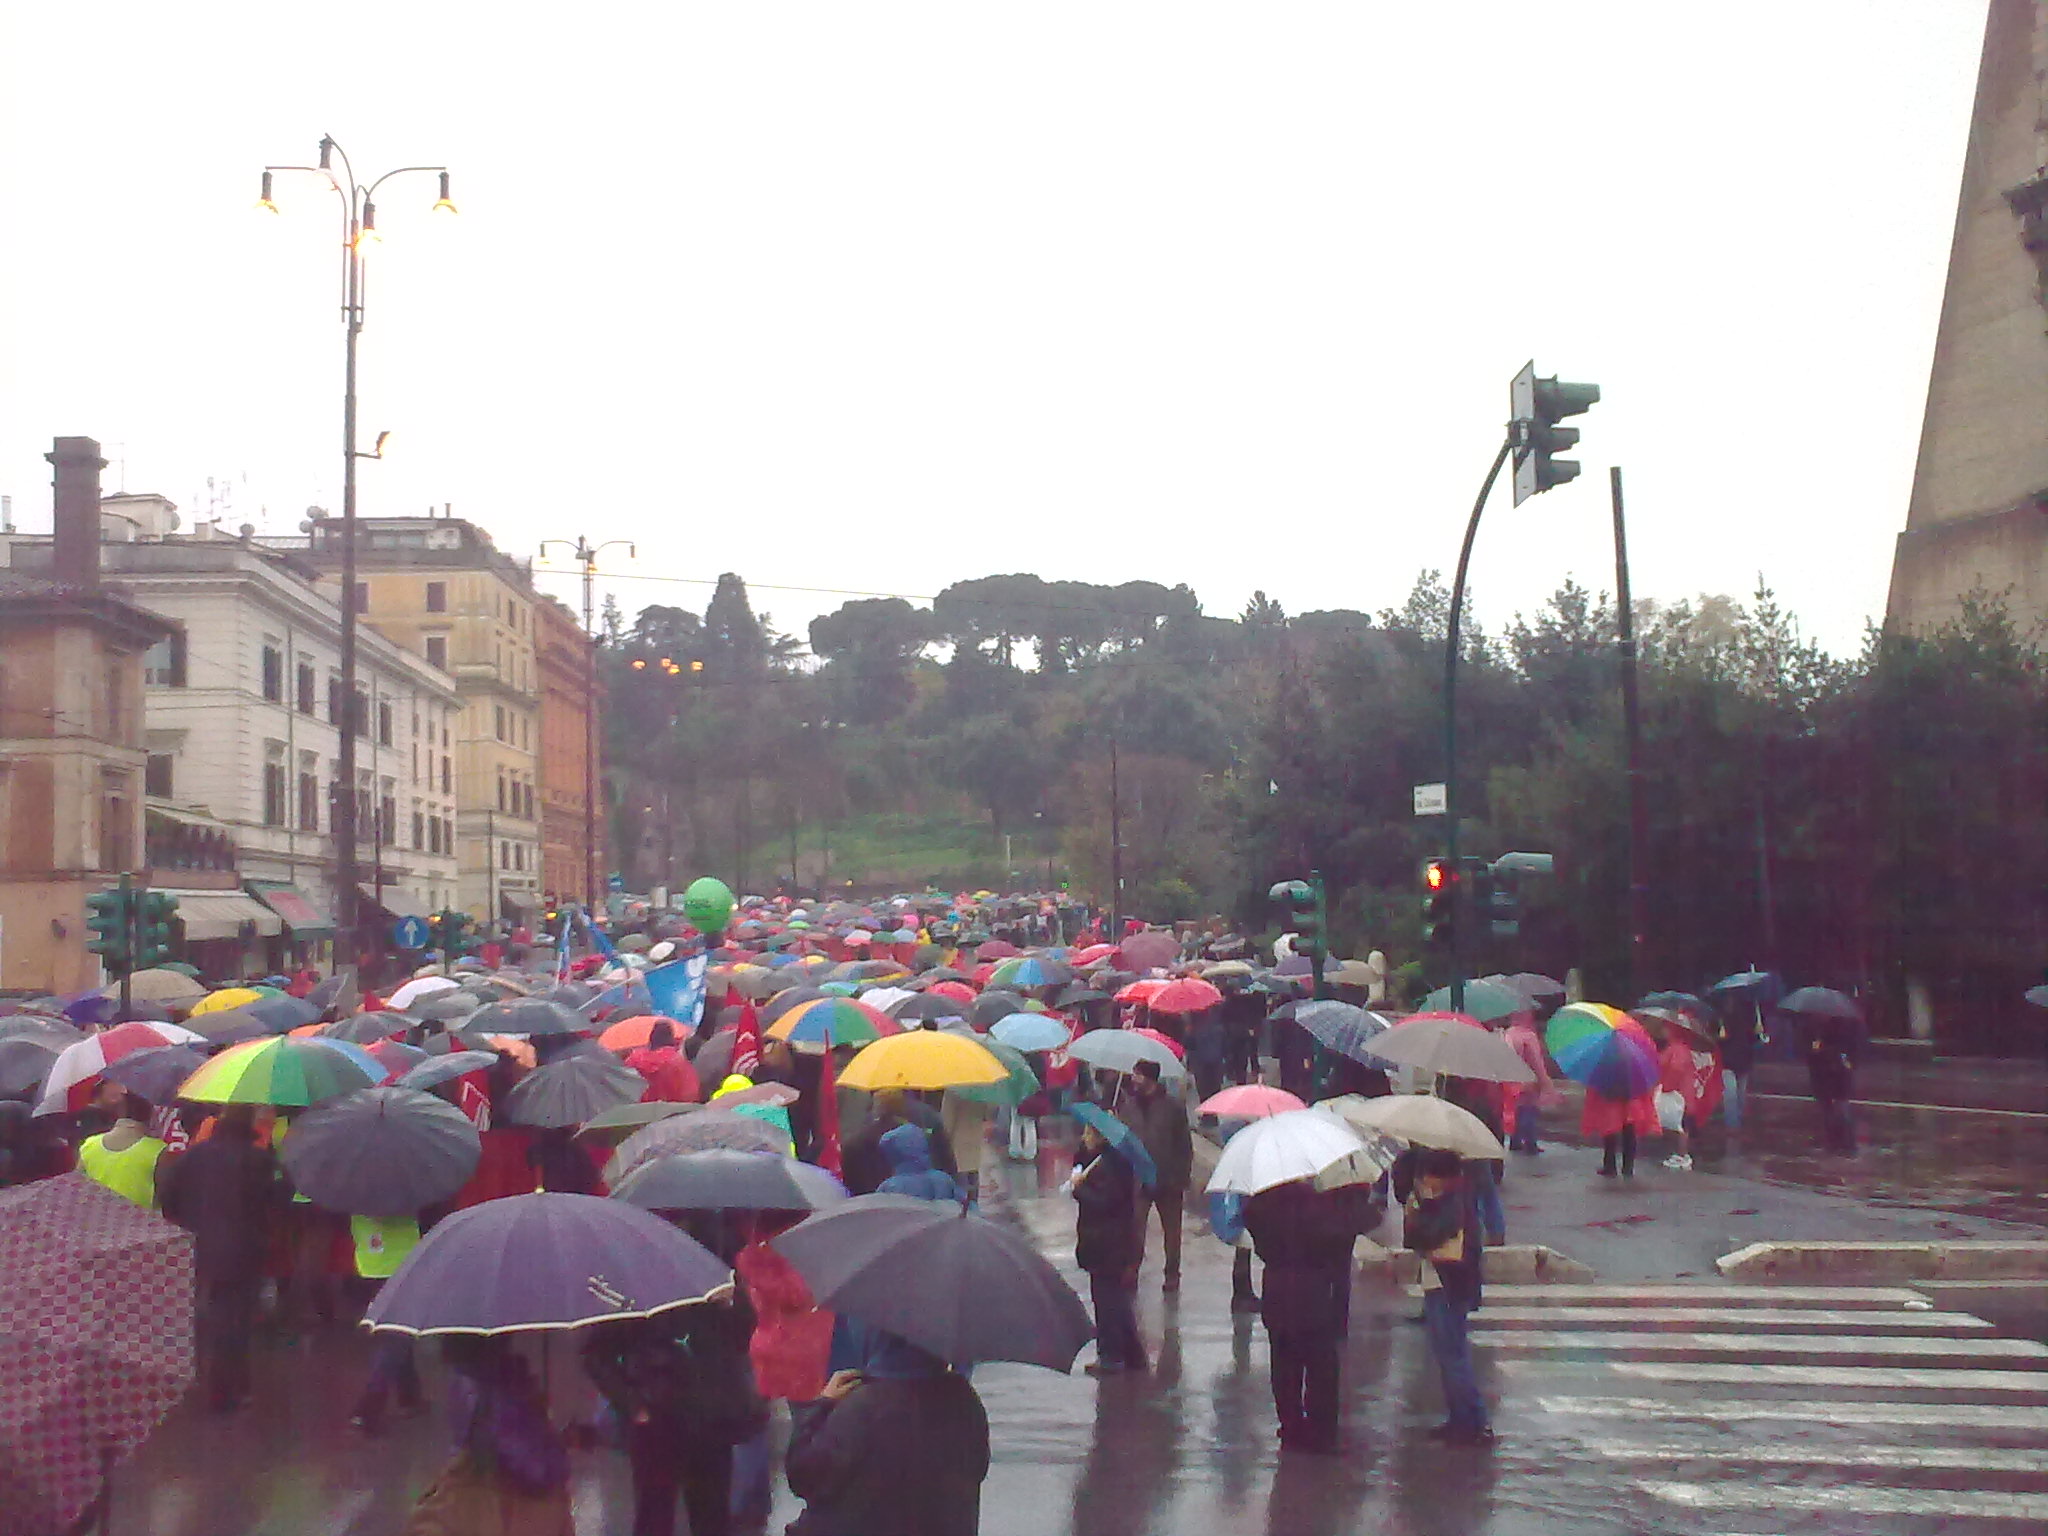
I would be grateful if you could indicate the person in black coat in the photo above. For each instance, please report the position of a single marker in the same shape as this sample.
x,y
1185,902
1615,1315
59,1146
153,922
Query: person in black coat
x,y
224,1191
1106,1245
1304,1236
1443,1227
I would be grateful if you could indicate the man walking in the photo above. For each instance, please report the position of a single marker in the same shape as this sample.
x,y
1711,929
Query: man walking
x,y
1304,1236
1443,1227
1162,1125
224,1192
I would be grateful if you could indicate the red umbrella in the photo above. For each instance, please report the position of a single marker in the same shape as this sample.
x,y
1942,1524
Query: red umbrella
x,y
1142,991
1142,951
998,949
95,1342
1093,953
959,991
1186,995
1180,1051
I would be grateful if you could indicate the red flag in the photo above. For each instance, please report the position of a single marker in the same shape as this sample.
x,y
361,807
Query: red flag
x,y
828,1117
746,1044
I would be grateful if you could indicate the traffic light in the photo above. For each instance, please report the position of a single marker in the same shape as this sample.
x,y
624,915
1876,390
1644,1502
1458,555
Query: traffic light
x,y
1536,408
1439,903
109,918
153,913
1505,907
1308,917
448,932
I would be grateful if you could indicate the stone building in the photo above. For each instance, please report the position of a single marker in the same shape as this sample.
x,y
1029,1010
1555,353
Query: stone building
x,y
570,768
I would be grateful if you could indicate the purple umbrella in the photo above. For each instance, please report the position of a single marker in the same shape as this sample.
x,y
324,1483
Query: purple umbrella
x,y
530,1263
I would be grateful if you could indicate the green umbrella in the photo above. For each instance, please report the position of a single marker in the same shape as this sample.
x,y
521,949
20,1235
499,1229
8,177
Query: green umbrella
x,y
1014,1089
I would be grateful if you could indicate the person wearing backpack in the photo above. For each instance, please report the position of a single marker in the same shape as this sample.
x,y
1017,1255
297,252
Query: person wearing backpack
x,y
682,1385
510,1475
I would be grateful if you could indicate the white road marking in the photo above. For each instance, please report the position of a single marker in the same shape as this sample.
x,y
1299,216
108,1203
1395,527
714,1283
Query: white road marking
x,y
1840,1498
1734,1410
1947,1458
1753,1344
1891,1378
1945,1109
1735,1317
1704,1294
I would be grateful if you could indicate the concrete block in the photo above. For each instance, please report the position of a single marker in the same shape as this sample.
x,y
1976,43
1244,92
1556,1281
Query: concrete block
x,y
1516,1264
1862,1261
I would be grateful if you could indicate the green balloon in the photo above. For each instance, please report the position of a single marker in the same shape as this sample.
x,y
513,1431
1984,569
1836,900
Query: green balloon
x,y
708,905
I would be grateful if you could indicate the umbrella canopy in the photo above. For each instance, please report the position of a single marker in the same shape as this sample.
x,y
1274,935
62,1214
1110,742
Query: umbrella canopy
x,y
281,1013
437,1070
530,1263
1603,1048
1119,1050
1143,951
1761,986
1297,1144
230,1026
833,1021
1224,969
445,1007
381,1152
724,1180
569,1091
41,1026
1018,1085
788,1001
616,1125
157,1073
1031,1032
1031,971
1419,1119
1347,1030
1531,985
1123,1141
1662,1024
1484,1001
923,1059
1187,995
25,1063
700,1132
366,1028
422,987
72,1075
1250,1101
1821,1003
95,1341
1142,990
160,985
2038,996
529,1016
1453,1044
631,1034
230,997
1076,994
951,1283
284,1072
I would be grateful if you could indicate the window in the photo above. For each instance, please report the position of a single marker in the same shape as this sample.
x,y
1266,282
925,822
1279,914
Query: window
x,y
309,689
419,831
502,805
309,800
117,843
273,794
273,674
433,834
448,836
500,722
447,776
361,718
437,651
504,855
415,763
437,597
527,791
384,723
163,664
519,857
335,712
156,775
387,820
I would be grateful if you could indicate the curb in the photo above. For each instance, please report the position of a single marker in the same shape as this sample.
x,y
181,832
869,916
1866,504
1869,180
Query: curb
x,y
1954,1260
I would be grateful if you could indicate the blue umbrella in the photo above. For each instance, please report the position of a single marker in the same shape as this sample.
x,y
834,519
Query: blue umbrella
x,y
1031,1032
1345,1029
281,1014
1122,1140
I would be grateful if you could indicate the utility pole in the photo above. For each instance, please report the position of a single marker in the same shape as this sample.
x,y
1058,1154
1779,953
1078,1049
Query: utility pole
x,y
585,555
1116,851
1631,724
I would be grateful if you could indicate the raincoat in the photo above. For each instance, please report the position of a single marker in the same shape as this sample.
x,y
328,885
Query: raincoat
x,y
909,1153
670,1077
792,1333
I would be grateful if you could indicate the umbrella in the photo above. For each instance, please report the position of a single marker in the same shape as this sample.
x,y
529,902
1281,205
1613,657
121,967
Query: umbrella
x,y
628,1118
1031,1032
1179,1051
1659,1022
1531,985
1603,1048
569,1091
1821,1003
437,1070
833,1021
284,1072
1419,1119
160,985
1187,995
1347,1030
888,998
1249,1101
40,1026
381,1152
366,1028
533,1262
1297,1144
634,944
998,949
699,1132
1122,1140
395,1057
1017,1086
230,997
991,1007
923,1059
2038,996
788,1000
1093,954
281,1013
1119,1050
328,994
422,987
77,1067
1226,968
229,1026
958,991
156,1074
632,1033
527,1016
1075,995
1484,1001
1143,951
1031,971
25,1062
1143,990
95,1342
1759,985
724,1180
951,1283
1351,973
445,1007
1453,1044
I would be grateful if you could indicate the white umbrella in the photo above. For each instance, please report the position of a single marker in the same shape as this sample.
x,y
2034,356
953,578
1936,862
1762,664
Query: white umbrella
x,y
422,986
1297,1144
1119,1050
1419,1119
886,998
1454,1045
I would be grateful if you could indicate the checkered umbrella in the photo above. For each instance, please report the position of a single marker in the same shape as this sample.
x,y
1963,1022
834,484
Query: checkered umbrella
x,y
95,1342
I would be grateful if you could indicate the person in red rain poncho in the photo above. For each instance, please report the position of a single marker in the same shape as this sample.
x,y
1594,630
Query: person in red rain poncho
x,y
1617,1122
670,1077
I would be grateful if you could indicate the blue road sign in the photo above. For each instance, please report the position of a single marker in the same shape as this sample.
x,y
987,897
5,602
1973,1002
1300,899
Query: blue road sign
x,y
410,933
615,882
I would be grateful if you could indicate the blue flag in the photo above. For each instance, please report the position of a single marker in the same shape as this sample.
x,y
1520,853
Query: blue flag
x,y
678,988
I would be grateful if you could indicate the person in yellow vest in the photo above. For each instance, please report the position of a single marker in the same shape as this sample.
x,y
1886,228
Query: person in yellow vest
x,y
381,1244
123,1157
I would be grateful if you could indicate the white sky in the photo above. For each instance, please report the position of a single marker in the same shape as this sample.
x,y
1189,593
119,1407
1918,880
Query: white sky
x,y
878,296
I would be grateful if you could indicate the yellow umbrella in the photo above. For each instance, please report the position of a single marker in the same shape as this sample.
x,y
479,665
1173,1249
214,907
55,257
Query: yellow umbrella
x,y
922,1059
228,997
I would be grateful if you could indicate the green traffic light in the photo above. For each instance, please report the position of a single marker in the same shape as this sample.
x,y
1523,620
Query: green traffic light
x,y
1555,400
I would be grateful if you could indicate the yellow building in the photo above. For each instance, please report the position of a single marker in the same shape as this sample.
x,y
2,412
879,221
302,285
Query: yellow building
x,y
439,586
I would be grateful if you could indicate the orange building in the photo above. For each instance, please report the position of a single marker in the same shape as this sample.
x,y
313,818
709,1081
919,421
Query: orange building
x,y
570,768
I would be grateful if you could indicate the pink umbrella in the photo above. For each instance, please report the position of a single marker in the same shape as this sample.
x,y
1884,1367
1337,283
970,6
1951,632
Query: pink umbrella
x,y
1091,954
1186,995
998,949
1250,1101
1180,1052
1142,951
76,1071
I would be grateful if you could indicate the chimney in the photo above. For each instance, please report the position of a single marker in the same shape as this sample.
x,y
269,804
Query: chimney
x,y
76,560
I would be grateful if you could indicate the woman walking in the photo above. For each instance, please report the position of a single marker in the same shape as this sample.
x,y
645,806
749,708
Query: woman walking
x,y
1106,1246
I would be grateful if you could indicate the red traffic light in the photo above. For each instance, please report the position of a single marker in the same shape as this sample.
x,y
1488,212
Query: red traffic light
x,y
1433,875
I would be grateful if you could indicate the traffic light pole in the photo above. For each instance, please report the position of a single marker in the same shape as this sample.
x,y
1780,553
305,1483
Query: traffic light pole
x,y
131,920
1453,635
1631,720
1319,946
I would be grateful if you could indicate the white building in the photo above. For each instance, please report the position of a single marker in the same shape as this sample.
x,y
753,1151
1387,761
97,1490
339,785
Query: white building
x,y
242,715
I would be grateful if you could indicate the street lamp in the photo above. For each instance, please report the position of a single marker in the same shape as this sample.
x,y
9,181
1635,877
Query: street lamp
x,y
585,554
358,228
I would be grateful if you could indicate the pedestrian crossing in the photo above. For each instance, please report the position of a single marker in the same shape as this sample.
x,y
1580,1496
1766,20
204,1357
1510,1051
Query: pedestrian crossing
x,y
1740,1408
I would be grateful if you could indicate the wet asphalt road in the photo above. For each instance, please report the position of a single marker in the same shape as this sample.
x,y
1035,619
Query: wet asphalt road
x,y
1597,1437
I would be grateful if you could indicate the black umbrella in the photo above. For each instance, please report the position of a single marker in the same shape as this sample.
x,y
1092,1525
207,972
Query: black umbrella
x,y
381,1152
526,1016
229,1026
437,1070
40,1026
952,1283
1075,993
155,1074
444,1007
713,1060
782,1002
369,1028
24,1063
282,1014
1821,1003
927,1005
329,994
725,1180
572,1089
992,1007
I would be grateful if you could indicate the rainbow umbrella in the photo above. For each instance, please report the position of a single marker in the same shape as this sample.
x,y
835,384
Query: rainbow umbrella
x,y
833,1021
1603,1048
284,1071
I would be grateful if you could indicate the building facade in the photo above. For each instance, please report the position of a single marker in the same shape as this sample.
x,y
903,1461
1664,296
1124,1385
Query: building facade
x,y
71,741
1978,520
439,588
571,772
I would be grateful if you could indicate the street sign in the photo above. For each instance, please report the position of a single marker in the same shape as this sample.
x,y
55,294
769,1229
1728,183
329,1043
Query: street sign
x,y
1431,800
410,933
615,881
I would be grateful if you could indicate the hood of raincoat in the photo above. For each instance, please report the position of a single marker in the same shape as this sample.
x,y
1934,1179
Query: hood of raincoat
x,y
908,1149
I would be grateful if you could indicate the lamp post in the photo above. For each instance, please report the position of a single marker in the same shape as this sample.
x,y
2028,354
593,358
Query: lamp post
x,y
585,555
358,229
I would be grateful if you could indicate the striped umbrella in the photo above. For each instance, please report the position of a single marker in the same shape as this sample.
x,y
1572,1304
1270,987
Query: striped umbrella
x,y
834,1021
1031,971
285,1072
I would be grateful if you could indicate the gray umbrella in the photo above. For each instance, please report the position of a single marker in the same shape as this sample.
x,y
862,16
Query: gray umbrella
x,y
437,1070
713,1060
40,1026
155,1074
381,1152
784,1001
1345,1029
724,1180
964,1288
24,1063
992,1008
572,1089
368,1028
229,1026
328,995
928,1005
283,1013
700,1132
526,1016
443,1007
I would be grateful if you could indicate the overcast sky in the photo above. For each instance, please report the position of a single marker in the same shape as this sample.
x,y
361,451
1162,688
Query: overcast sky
x,y
879,296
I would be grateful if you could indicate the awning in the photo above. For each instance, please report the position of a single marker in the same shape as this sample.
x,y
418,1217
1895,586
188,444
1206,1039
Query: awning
x,y
290,903
221,914
516,904
395,901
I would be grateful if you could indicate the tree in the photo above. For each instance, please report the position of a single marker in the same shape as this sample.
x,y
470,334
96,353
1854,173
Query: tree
x,y
736,642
